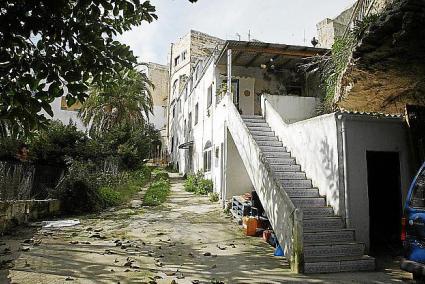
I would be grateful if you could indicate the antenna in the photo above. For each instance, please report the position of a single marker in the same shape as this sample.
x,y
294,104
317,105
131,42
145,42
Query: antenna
x,y
239,36
249,35
304,36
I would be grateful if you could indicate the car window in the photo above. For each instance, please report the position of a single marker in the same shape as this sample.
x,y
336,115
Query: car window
x,y
418,195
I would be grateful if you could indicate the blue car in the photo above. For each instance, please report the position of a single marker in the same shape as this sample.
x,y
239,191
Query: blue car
x,y
413,228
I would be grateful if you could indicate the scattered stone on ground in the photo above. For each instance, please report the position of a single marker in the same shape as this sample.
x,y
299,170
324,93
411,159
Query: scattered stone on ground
x,y
186,240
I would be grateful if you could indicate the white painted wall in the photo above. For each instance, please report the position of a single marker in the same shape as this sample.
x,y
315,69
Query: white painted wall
x,y
314,144
237,179
65,116
363,135
294,108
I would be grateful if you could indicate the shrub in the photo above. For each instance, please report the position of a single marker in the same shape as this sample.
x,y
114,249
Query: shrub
x,y
214,197
157,192
190,184
196,183
78,190
205,186
160,174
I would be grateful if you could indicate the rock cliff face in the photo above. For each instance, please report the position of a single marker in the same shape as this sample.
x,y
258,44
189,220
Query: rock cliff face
x,y
387,69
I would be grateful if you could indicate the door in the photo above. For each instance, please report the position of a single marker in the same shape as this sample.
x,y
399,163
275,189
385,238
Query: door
x,y
385,204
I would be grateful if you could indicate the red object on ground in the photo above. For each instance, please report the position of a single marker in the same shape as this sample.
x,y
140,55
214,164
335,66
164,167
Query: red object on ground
x,y
250,225
267,234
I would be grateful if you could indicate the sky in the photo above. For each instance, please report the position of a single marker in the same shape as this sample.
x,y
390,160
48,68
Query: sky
x,y
276,21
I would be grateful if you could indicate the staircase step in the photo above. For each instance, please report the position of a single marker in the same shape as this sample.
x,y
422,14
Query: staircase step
x,y
254,120
324,252
265,138
280,154
300,183
322,224
290,175
268,133
251,116
309,202
302,192
271,149
285,168
363,263
270,143
329,237
281,161
254,124
317,212
259,128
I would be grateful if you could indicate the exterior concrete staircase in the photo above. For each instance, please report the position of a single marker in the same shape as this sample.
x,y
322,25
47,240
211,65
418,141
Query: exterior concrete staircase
x,y
327,245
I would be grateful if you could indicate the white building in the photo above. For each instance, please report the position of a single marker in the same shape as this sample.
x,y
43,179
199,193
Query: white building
x,y
246,117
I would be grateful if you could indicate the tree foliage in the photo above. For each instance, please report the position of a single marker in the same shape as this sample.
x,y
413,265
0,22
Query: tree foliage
x,y
49,48
126,101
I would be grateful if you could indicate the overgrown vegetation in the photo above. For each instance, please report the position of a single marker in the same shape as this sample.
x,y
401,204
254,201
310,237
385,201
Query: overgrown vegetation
x,y
158,190
85,189
197,184
332,65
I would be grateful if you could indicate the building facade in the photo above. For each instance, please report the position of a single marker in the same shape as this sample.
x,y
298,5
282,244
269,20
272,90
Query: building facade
x,y
246,117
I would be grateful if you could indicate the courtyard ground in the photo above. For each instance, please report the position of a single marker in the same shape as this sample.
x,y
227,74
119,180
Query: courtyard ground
x,y
186,240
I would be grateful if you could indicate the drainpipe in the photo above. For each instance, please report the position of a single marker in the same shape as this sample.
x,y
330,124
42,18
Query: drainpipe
x,y
344,153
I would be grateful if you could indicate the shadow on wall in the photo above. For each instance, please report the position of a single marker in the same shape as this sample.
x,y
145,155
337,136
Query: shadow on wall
x,y
330,170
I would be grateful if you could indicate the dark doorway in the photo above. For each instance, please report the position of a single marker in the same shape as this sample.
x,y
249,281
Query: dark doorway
x,y
385,208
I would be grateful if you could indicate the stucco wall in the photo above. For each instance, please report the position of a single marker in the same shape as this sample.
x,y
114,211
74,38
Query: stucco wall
x,y
314,144
293,108
65,116
368,135
237,179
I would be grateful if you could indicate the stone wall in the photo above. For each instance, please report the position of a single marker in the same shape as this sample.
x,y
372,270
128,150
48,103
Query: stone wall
x,y
18,212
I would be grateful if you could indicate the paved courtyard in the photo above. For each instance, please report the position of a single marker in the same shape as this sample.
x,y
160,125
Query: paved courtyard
x,y
186,240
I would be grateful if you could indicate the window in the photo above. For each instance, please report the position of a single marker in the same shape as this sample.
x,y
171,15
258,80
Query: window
x,y
196,113
207,156
176,61
209,96
175,87
190,121
174,111
184,53
185,128
418,197
172,144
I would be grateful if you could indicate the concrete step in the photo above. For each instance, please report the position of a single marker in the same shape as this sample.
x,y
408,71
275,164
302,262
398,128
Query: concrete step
x,y
318,212
270,143
309,202
300,183
285,168
254,120
329,237
324,252
254,124
281,161
290,175
280,154
265,138
262,133
363,263
250,116
322,224
302,192
270,149
258,127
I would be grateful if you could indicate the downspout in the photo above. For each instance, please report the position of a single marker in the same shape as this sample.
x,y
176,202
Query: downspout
x,y
344,154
